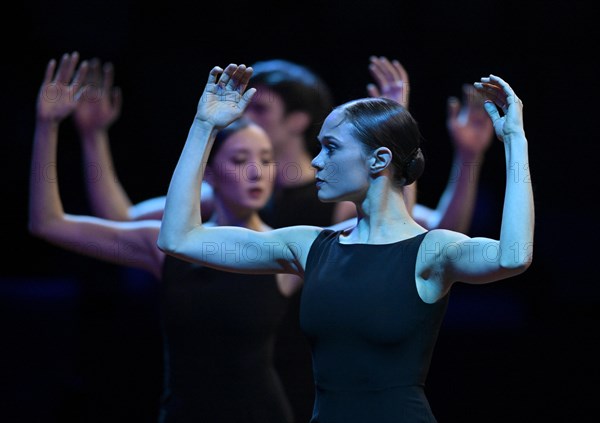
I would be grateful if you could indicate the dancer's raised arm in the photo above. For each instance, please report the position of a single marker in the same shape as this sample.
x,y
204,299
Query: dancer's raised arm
x,y
227,248
482,260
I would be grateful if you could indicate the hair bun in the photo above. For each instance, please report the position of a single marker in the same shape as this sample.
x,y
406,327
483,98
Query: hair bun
x,y
414,166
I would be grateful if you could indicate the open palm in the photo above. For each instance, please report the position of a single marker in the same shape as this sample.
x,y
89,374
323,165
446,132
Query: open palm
x,y
225,96
60,91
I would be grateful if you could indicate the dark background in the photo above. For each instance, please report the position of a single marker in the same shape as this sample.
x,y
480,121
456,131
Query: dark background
x,y
80,338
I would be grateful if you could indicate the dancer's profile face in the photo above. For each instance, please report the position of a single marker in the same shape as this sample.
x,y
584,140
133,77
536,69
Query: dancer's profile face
x,y
342,164
242,171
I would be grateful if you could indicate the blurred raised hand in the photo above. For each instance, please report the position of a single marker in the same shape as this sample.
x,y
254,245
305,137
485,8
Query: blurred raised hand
x,y
391,80
468,123
100,106
61,88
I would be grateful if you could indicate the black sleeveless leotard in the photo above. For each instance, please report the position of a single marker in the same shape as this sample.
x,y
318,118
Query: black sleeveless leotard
x,y
219,329
371,335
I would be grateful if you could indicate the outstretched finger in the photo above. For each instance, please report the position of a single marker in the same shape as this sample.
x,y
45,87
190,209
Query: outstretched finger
x,y
49,72
400,71
245,79
226,75
511,97
81,74
377,73
387,69
94,77
245,100
393,73
79,79
62,69
501,82
71,66
236,77
213,75
490,88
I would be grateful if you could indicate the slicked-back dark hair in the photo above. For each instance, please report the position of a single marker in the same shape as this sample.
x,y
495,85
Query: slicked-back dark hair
x,y
379,122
